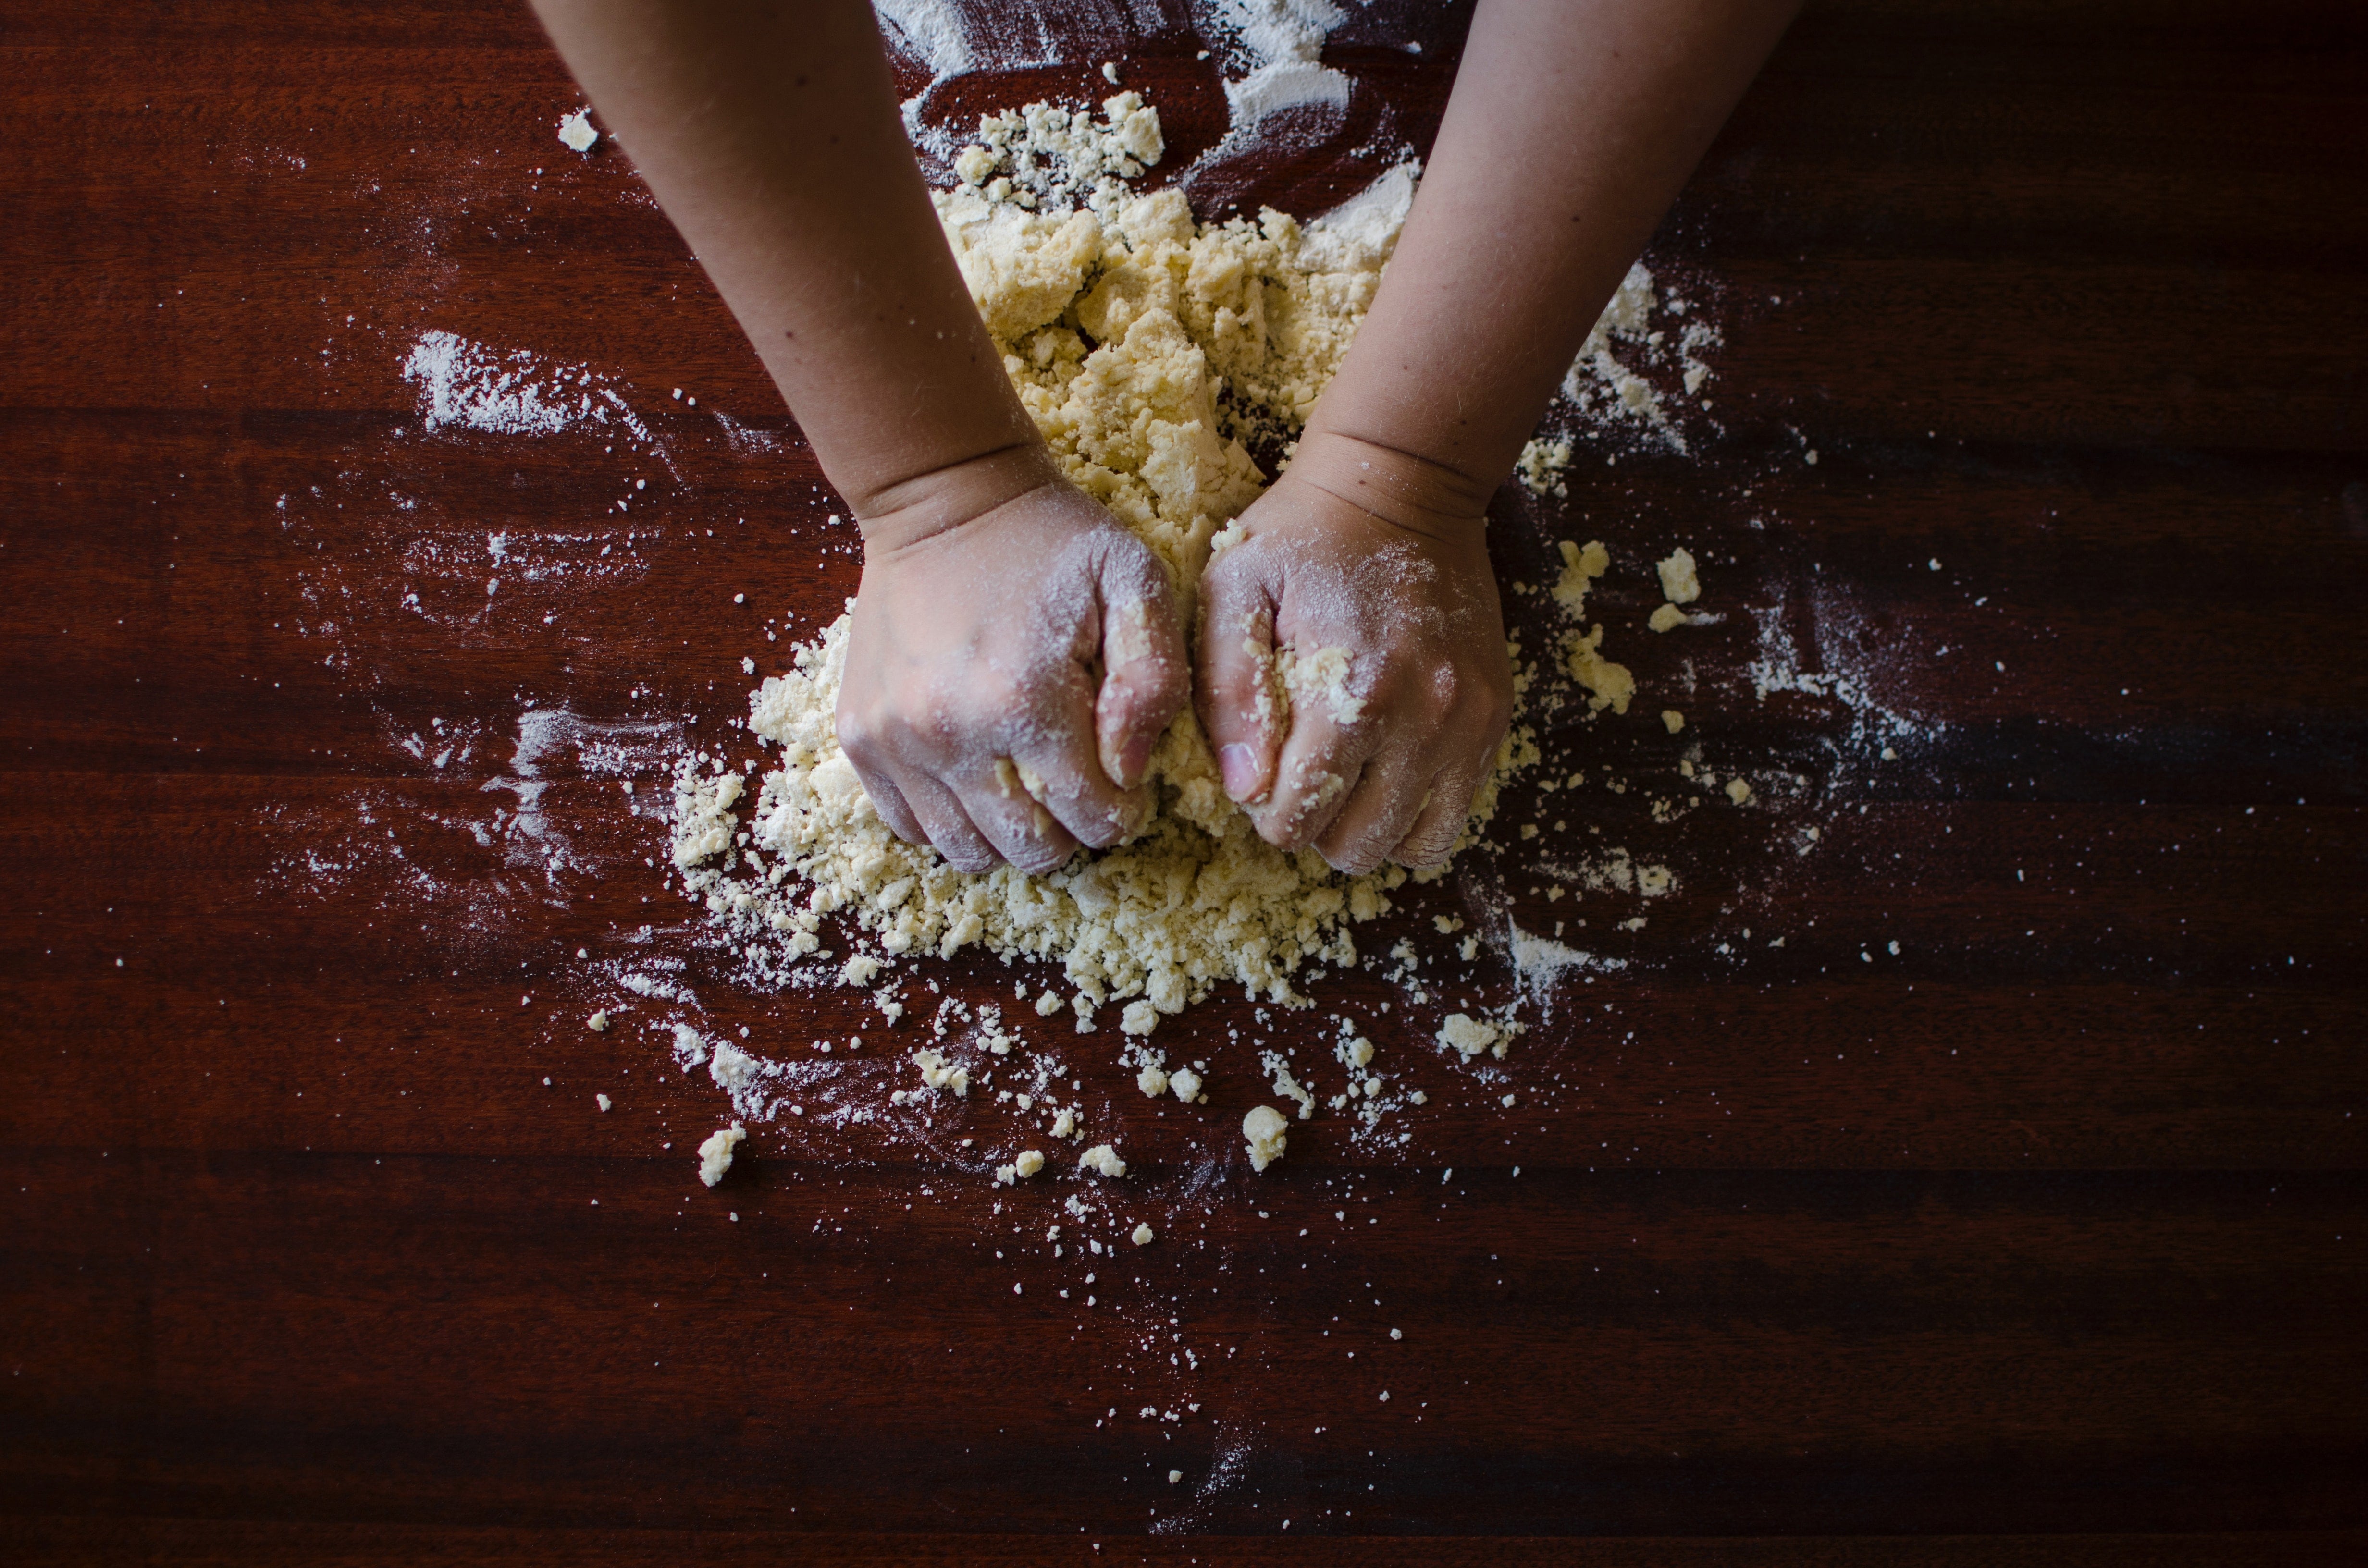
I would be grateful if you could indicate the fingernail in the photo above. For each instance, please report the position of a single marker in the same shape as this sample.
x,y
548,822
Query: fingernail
x,y
1133,760
1239,765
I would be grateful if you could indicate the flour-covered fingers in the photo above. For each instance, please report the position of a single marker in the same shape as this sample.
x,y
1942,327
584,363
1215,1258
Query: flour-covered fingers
x,y
1235,691
999,803
1146,670
1317,775
1062,773
890,803
1391,794
1440,820
948,826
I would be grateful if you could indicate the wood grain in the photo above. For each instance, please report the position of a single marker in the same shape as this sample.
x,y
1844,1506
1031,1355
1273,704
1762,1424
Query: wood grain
x,y
2034,1239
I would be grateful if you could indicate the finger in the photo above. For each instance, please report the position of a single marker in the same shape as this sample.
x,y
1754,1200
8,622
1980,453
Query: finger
x,y
948,826
1440,823
890,803
1236,694
1392,791
875,771
1063,775
1059,769
1001,805
1147,674
1314,780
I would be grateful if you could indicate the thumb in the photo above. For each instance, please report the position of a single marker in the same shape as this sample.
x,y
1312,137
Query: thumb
x,y
1146,675
1237,690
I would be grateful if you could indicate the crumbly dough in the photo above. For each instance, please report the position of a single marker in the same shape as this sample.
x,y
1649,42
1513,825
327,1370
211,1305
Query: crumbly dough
x,y
1471,1035
1608,685
715,1155
1679,583
1147,348
1266,1132
1102,1160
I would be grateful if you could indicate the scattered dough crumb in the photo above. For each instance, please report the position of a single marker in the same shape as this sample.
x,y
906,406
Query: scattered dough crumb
x,y
715,1155
596,1022
1152,1080
1668,617
603,1100
576,131
1102,1160
1266,1132
937,1073
1030,1162
1286,1085
1738,791
1471,1036
1141,1235
1673,719
1186,1084
1678,582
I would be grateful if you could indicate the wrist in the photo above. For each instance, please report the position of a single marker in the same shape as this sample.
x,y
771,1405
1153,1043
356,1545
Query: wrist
x,y
905,512
1401,488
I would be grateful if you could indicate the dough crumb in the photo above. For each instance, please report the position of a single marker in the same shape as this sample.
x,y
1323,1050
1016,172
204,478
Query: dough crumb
x,y
1469,1034
1141,1235
715,1155
1186,1084
1174,1476
598,1022
1152,1080
1102,1160
937,1073
1029,1163
602,1100
1738,791
1668,617
1266,1132
1679,583
1673,719
1608,685
576,131
1287,1086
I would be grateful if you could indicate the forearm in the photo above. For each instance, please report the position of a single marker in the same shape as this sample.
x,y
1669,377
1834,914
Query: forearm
x,y
1571,127
769,134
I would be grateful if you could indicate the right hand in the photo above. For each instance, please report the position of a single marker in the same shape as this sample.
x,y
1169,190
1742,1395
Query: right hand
x,y
1376,554
971,708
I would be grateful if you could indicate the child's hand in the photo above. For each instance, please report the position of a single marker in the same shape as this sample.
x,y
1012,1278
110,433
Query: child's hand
x,y
1359,549
970,706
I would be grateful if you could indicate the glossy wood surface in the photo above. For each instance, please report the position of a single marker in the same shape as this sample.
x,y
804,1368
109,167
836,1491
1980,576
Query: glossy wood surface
x,y
2035,1238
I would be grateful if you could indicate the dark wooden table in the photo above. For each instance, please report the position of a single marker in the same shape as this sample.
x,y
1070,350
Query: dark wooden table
x,y
2037,1239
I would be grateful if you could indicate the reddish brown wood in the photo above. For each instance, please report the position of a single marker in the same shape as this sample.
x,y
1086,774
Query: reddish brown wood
x,y
2036,1242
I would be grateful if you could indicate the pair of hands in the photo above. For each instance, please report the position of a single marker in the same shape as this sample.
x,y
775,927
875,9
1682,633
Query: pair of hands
x,y
973,709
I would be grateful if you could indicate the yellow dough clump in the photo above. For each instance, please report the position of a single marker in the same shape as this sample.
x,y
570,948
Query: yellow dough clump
x,y
1146,347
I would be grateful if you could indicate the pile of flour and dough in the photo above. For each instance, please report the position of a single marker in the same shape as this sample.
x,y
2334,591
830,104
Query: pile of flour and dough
x,y
1151,350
